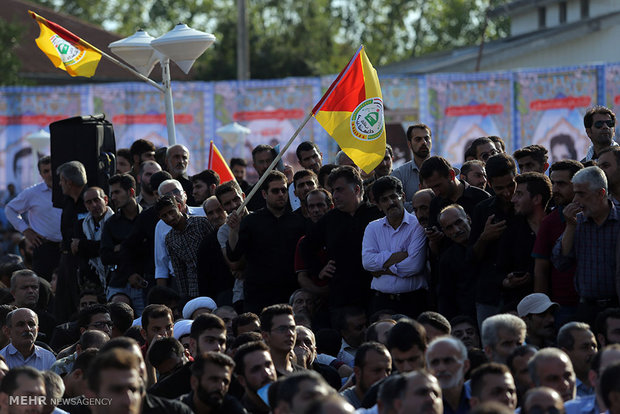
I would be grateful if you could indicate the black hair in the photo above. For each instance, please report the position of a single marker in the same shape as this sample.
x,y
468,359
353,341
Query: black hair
x,y
206,321
384,184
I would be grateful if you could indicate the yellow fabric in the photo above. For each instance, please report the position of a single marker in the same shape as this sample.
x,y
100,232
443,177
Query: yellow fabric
x,y
75,59
365,153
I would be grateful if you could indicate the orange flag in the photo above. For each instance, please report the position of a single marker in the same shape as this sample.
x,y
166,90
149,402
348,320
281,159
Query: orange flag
x,y
218,164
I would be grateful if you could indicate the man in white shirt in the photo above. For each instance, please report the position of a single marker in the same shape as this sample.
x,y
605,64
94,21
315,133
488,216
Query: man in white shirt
x,y
394,250
42,229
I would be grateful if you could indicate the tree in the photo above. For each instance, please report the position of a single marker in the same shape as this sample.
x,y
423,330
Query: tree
x,y
10,36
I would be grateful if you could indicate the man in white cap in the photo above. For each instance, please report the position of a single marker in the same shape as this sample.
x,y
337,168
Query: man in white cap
x,y
537,311
182,329
198,306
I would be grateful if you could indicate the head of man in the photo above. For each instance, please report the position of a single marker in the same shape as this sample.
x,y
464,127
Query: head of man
x,y
302,301
275,191
207,334
474,173
157,321
501,172
123,160
351,323
501,334
419,140
22,327
278,328
177,159
96,202
25,288
115,375
122,190
378,331
603,358
25,382
347,188
435,324
45,169
227,314
309,156
609,162
607,327
305,181
142,150
532,158
76,383
455,223
577,340
72,177
254,367
561,174
416,392
174,189
517,362
146,171
484,148
318,203
385,166
230,196
590,188
238,166
297,391
95,317
390,197
406,342
493,382
532,194
246,322
421,203
372,363
551,367
204,184
437,174
465,329
333,403
305,346
610,387
543,400
537,311
169,211
166,355
446,359
600,123
211,376
214,211
262,156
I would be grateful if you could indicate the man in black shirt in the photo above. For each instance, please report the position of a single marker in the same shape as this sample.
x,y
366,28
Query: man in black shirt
x,y
262,156
267,238
341,231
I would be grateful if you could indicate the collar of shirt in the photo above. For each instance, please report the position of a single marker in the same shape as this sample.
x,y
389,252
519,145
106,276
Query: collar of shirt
x,y
406,220
612,216
11,350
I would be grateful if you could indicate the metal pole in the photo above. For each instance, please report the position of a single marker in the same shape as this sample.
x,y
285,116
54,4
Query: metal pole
x,y
243,43
165,75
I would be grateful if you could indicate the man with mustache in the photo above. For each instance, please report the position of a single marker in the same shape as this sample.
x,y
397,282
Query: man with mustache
x,y
537,311
551,367
446,359
577,340
394,251
600,123
420,142
255,370
22,327
177,160
211,376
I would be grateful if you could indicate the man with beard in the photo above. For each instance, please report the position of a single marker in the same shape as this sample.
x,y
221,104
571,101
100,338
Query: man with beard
x,y
148,196
22,327
456,294
420,142
262,157
254,370
420,203
600,123
141,151
385,166
177,160
203,185
577,340
211,376
493,382
551,367
532,158
549,279
537,311
473,172
483,148
394,250
306,353
609,161
309,156
372,363
446,359
489,222
304,181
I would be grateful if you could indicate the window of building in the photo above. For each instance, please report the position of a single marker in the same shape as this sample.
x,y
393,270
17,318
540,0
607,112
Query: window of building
x,y
585,8
562,12
542,17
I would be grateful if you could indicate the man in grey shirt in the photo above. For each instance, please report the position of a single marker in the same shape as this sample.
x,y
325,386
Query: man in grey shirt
x,y
420,141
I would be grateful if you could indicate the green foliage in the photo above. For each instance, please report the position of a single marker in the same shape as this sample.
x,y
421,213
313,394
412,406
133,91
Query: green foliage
x,y
10,37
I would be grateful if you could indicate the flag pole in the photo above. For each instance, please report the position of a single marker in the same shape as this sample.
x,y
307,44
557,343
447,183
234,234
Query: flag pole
x,y
273,164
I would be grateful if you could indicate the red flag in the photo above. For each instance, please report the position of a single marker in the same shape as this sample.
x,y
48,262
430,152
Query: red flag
x,y
218,164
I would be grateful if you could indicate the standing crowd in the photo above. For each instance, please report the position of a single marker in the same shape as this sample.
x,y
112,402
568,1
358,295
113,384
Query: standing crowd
x,y
421,289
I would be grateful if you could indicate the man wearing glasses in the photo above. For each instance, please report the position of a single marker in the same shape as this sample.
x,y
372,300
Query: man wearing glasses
x,y
278,330
600,123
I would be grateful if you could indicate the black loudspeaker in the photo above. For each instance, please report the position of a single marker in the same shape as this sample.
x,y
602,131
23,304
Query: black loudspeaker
x,y
88,139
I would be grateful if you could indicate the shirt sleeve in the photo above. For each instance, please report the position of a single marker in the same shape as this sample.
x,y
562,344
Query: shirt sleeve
x,y
416,259
14,210
373,255
560,261
162,260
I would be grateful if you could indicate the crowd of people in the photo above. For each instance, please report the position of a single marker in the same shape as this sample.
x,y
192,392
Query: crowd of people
x,y
421,289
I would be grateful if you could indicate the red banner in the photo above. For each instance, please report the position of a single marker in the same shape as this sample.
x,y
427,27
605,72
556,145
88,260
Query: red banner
x,y
570,102
41,120
482,109
126,119
279,114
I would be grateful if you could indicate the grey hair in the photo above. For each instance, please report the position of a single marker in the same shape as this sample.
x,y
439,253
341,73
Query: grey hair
x,y
455,342
21,273
593,176
493,324
54,385
565,335
176,183
168,150
73,171
9,316
459,209
544,354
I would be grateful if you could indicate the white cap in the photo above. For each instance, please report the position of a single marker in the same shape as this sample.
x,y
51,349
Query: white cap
x,y
182,327
197,303
534,303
